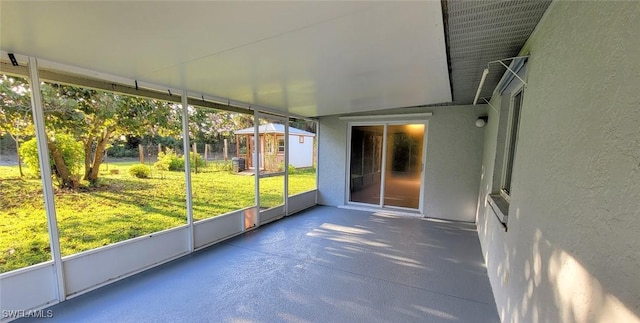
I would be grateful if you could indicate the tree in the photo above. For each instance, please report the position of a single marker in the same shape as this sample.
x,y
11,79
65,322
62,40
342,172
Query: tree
x,y
302,124
15,112
96,118
213,126
66,152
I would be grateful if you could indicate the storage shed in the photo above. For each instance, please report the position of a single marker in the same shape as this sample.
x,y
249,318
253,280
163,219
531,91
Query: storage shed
x,y
272,146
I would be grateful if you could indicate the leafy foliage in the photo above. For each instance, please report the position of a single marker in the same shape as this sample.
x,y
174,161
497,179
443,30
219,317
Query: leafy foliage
x,y
291,168
119,150
93,118
15,111
139,171
15,107
72,153
99,120
224,166
194,159
169,160
29,154
96,118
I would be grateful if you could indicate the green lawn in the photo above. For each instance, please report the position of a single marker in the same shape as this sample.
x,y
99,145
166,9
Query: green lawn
x,y
121,207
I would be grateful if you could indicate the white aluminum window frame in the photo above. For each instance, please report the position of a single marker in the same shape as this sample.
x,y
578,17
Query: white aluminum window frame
x,y
507,168
31,69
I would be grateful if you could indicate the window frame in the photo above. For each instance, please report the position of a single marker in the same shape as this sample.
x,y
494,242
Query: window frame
x,y
281,148
511,144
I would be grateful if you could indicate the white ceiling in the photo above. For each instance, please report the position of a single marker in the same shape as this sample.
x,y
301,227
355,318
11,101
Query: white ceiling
x,y
307,58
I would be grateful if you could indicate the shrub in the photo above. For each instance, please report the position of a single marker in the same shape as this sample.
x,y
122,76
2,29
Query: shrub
x,y
169,160
71,149
139,171
29,154
226,166
119,150
221,166
292,169
200,161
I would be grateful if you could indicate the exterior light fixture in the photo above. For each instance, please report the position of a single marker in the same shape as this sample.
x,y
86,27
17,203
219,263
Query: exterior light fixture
x,y
482,121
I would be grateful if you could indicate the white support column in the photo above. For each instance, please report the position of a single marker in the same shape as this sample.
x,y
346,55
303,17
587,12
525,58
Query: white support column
x,y
187,167
383,169
256,164
286,167
317,154
45,174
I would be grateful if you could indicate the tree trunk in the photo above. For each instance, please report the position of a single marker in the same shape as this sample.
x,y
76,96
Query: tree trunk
x,y
226,150
87,157
195,157
16,140
141,153
97,158
61,170
19,159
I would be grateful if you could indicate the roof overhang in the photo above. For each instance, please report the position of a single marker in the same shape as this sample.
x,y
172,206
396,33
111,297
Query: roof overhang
x,y
305,58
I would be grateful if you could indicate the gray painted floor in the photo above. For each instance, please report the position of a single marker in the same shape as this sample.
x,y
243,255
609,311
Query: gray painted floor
x,y
321,265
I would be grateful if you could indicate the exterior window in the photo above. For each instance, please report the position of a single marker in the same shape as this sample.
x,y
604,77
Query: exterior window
x,y
270,147
281,145
512,143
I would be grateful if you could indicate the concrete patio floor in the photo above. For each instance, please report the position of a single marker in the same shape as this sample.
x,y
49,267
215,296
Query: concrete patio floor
x,y
321,265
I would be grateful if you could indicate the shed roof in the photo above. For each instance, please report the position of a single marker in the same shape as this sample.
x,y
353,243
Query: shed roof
x,y
274,128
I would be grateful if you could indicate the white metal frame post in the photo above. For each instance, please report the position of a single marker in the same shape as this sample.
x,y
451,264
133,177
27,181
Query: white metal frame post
x,y
256,164
383,166
286,166
187,167
317,151
45,174
423,167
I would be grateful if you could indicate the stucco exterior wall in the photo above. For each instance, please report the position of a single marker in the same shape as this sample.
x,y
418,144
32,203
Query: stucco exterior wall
x,y
332,156
571,252
454,151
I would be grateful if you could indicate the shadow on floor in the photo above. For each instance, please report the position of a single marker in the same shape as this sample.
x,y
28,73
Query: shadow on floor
x,y
321,265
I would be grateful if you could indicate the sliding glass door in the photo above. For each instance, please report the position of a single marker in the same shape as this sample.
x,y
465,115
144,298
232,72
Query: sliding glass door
x,y
366,164
386,164
403,167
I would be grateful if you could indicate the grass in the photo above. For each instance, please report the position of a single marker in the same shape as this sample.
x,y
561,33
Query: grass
x,y
122,207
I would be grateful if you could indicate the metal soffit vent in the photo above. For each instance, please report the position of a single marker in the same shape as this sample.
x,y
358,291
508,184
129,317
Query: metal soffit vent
x,y
481,31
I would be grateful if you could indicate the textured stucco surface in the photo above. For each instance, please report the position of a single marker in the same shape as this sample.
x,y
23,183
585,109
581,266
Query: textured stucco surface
x,y
452,168
454,152
571,253
332,156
